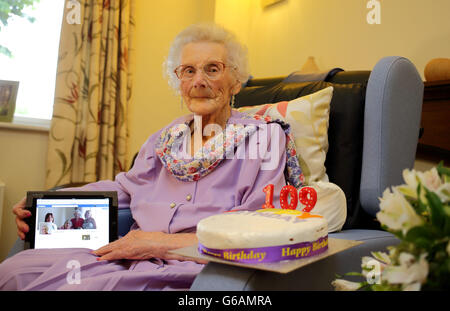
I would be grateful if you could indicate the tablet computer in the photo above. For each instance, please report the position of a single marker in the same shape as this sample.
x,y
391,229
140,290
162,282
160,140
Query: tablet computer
x,y
71,219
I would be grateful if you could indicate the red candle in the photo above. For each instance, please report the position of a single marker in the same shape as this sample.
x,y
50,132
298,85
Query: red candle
x,y
268,190
285,191
308,197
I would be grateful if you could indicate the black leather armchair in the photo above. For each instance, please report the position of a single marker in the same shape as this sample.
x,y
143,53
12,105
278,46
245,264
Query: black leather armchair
x,y
373,134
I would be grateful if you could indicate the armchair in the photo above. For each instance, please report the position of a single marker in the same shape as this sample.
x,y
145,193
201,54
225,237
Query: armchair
x,y
373,134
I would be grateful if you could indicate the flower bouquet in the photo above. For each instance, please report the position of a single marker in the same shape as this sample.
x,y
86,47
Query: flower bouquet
x,y
418,213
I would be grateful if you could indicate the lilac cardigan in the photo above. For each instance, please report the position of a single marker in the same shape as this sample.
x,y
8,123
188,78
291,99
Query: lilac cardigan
x,y
158,202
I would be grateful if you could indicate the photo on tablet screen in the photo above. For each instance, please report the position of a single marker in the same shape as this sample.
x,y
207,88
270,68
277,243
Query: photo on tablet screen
x,y
71,223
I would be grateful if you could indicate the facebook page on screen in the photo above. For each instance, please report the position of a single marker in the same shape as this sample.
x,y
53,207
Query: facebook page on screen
x,y
72,223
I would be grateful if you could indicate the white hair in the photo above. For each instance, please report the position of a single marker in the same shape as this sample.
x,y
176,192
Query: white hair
x,y
209,32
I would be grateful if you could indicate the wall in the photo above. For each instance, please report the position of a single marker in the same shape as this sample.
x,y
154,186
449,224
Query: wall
x,y
23,154
154,102
281,37
336,33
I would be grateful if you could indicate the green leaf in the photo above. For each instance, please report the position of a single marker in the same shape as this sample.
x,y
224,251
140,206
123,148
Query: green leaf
x,y
447,221
425,231
397,233
5,51
419,206
423,243
442,170
437,210
9,8
354,274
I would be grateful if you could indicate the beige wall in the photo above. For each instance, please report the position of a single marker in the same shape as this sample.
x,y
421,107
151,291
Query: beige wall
x,y
23,155
154,102
281,37
336,33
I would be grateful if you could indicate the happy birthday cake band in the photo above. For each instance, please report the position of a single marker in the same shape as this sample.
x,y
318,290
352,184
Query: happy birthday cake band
x,y
269,253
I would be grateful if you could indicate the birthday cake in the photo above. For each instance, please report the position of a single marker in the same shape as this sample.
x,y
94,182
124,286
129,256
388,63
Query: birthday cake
x,y
266,235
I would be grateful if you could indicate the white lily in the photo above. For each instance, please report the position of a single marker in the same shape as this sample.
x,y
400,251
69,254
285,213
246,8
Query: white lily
x,y
399,269
412,181
408,272
443,192
430,179
344,285
414,287
375,264
396,212
381,256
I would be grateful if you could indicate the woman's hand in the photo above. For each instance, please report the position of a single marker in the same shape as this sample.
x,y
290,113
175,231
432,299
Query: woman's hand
x,y
21,213
140,245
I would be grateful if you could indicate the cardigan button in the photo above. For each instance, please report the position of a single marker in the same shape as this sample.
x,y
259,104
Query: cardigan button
x,y
188,197
172,205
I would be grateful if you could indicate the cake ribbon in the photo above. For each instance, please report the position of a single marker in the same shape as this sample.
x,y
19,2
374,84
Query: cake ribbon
x,y
268,253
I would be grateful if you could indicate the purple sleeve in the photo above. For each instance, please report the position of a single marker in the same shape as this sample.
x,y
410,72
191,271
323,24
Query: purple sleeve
x,y
123,195
262,175
125,182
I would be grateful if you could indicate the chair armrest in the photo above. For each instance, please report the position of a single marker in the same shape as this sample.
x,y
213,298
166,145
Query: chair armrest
x,y
18,246
124,221
316,276
393,109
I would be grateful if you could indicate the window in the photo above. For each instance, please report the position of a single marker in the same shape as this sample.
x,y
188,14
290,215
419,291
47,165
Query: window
x,y
34,47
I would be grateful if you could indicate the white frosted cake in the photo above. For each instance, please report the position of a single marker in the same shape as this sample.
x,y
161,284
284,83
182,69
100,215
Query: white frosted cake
x,y
265,235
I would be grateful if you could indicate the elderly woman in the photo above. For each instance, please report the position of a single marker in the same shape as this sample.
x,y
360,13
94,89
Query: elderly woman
x,y
77,221
169,194
89,221
50,225
67,225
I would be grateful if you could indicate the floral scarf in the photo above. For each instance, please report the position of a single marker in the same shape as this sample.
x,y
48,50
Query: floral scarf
x,y
207,158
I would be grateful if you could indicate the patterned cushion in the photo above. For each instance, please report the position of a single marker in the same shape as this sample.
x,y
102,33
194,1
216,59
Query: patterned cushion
x,y
308,117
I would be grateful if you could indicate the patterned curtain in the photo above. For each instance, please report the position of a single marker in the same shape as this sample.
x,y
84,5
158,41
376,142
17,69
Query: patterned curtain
x,y
89,134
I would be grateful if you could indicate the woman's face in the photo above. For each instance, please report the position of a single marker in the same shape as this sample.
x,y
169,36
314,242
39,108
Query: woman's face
x,y
50,218
202,95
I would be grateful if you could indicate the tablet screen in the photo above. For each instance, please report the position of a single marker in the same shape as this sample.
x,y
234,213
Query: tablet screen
x,y
72,223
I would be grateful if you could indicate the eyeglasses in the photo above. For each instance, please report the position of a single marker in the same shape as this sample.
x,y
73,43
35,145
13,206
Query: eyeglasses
x,y
212,70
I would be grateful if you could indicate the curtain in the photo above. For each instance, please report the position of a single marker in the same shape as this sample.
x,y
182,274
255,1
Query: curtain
x,y
89,133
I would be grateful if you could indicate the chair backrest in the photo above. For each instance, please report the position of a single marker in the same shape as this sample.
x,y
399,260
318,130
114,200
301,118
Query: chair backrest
x,y
373,128
345,132
393,109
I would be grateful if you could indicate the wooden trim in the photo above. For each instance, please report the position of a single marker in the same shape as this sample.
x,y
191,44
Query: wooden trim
x,y
436,90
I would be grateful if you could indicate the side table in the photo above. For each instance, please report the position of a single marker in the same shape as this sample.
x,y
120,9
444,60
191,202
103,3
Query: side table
x,y
2,202
434,145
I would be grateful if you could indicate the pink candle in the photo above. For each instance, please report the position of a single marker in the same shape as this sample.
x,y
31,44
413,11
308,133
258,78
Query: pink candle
x,y
268,190
285,191
308,197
